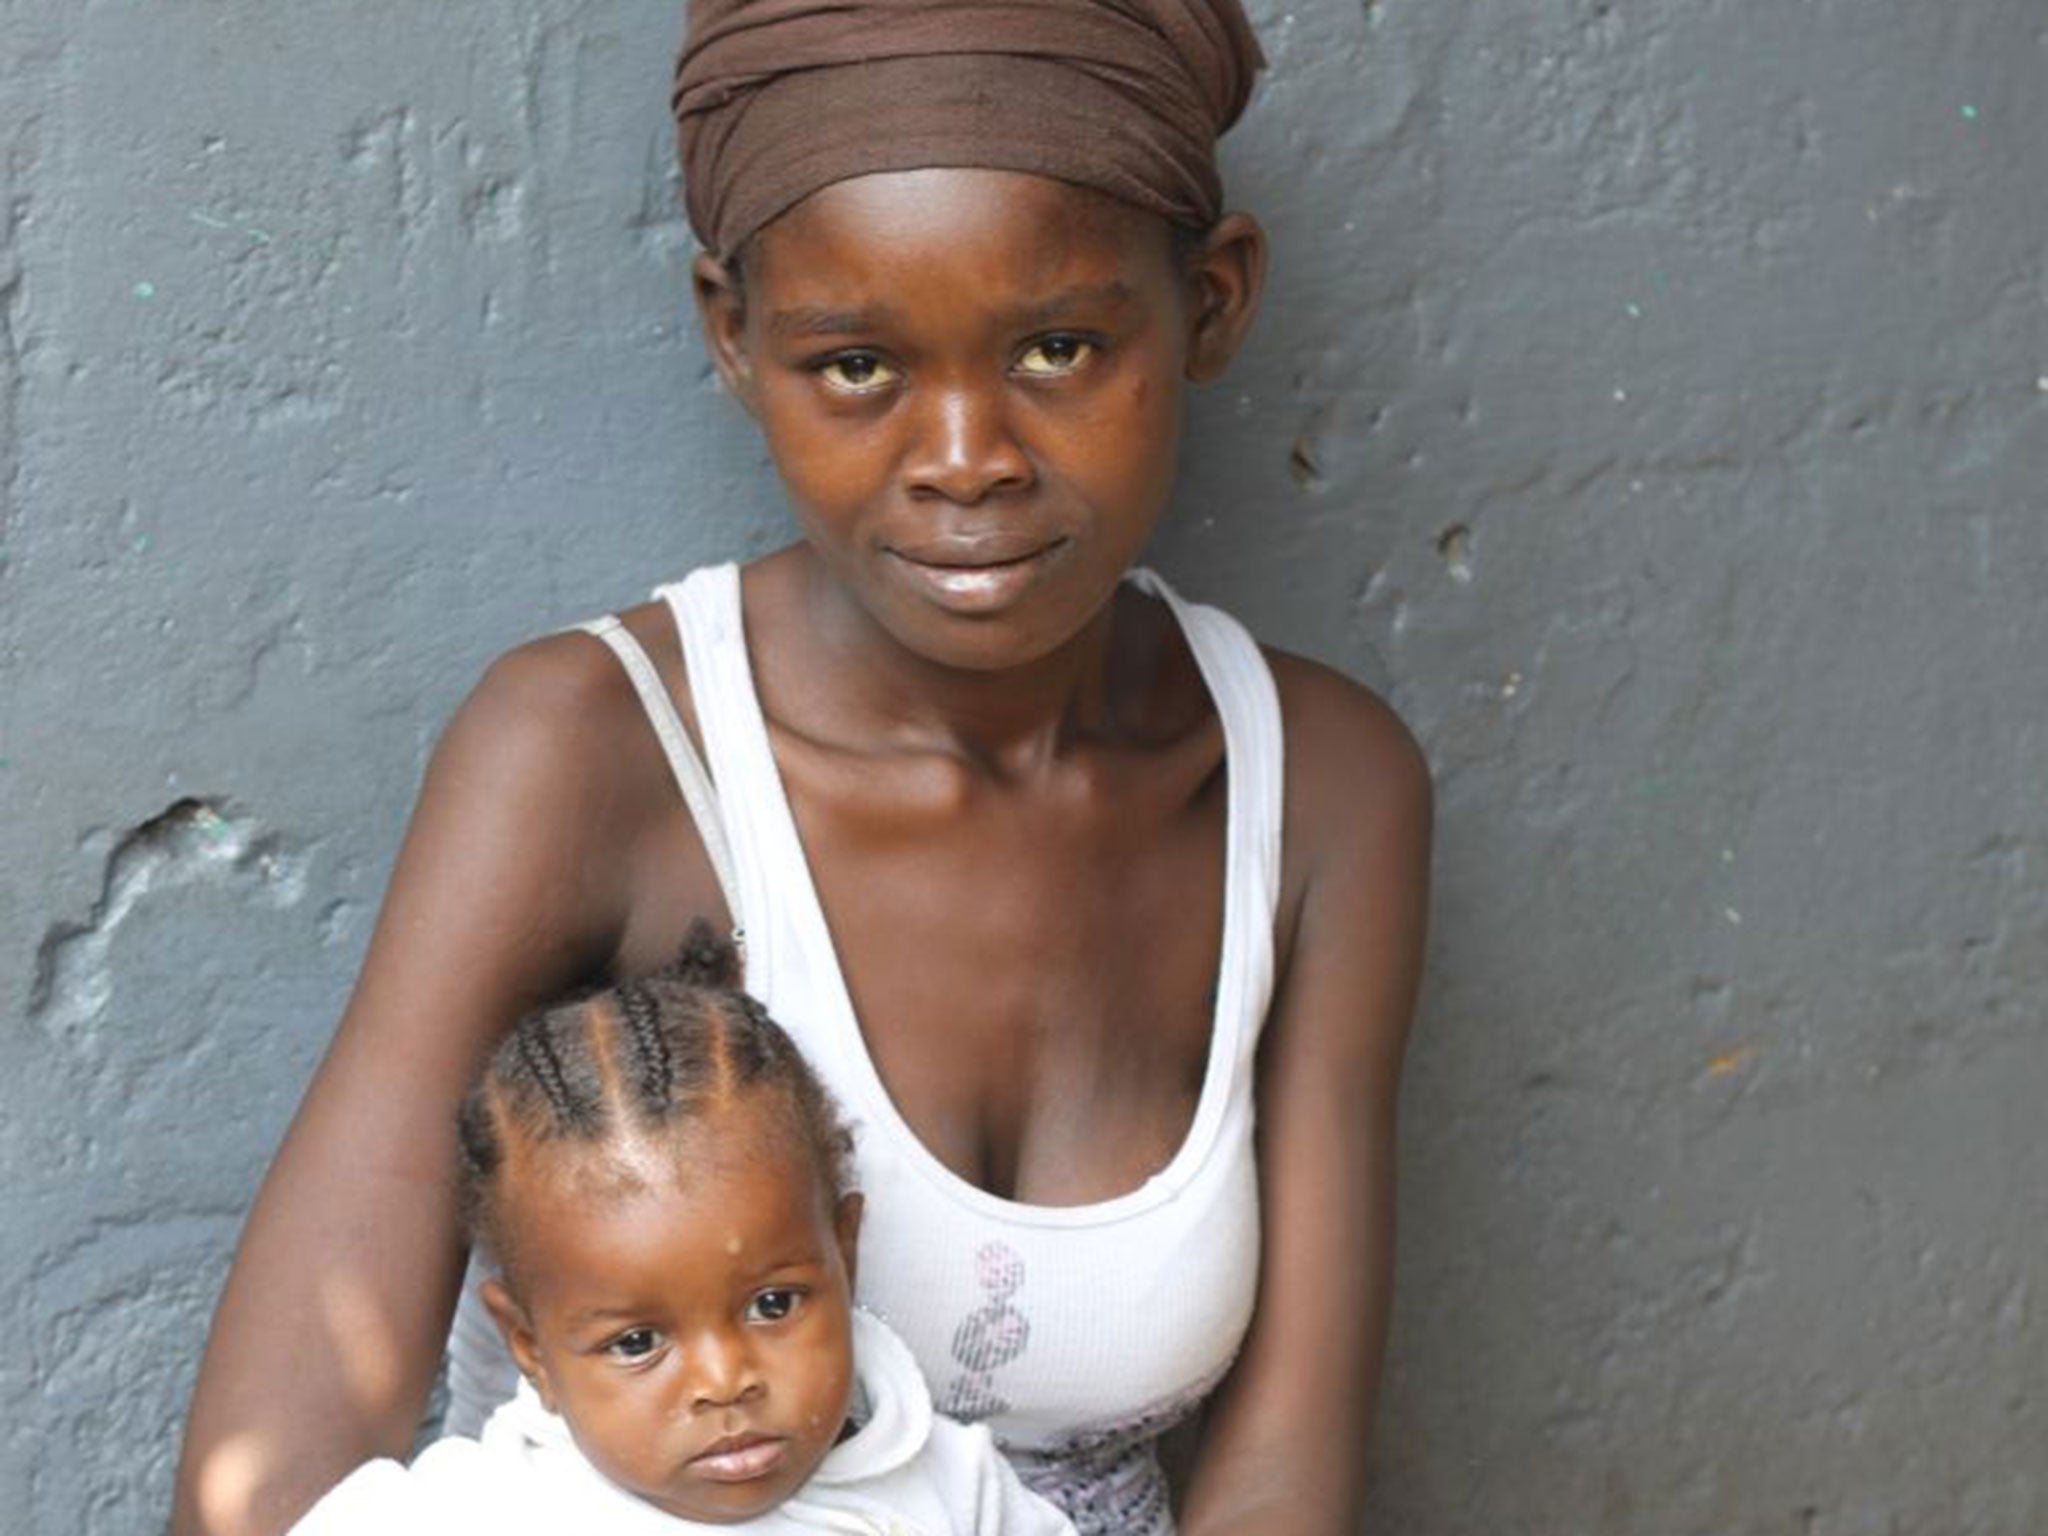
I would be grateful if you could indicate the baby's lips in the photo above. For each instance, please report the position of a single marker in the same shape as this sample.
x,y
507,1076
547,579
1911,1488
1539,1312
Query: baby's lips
x,y
739,1458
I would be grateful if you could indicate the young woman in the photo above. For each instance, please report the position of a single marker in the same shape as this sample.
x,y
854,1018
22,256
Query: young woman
x,y
1103,923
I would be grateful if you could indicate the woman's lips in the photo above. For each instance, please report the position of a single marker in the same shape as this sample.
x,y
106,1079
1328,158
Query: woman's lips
x,y
974,583
739,1459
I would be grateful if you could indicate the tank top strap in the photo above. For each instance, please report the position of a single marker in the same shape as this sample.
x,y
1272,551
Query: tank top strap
x,y
1247,704
706,608
699,793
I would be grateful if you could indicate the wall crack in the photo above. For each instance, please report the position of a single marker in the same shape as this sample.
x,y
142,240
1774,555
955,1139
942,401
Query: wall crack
x,y
192,842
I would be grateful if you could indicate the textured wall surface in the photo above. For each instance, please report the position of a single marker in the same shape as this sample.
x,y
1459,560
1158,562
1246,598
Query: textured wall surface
x,y
1652,399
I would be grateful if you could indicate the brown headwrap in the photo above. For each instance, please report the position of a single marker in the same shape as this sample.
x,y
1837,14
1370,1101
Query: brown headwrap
x,y
777,98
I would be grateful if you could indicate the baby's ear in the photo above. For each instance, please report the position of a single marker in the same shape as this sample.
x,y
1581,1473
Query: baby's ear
x,y
846,1227
1225,277
722,316
517,1331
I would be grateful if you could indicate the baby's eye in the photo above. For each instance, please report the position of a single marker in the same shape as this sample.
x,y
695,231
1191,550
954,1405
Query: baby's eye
x,y
634,1344
773,1306
1051,356
856,373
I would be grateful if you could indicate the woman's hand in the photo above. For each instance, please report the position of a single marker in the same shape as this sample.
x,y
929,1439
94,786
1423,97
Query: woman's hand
x,y
1285,1446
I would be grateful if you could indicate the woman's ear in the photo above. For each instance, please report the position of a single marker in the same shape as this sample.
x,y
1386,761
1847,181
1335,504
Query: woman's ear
x,y
517,1331
1226,274
722,316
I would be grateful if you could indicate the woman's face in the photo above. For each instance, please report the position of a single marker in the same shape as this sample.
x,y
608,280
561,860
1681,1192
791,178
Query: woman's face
x,y
970,383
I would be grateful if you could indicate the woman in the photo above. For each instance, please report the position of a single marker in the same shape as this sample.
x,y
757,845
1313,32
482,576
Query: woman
x,y
1017,851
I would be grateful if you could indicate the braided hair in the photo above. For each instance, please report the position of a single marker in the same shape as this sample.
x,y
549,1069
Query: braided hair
x,y
648,1057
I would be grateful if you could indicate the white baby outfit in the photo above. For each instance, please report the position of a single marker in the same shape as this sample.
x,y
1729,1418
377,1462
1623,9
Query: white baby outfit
x,y
904,1472
1077,1334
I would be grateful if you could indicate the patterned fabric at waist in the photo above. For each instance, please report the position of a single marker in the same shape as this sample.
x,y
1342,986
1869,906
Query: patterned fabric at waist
x,y
1108,1479
1108,1490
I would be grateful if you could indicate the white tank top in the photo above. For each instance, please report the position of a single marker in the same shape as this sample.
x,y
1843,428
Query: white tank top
x,y
1079,1334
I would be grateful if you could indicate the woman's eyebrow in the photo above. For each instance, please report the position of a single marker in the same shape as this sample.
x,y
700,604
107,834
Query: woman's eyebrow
x,y
813,320
810,321
1110,295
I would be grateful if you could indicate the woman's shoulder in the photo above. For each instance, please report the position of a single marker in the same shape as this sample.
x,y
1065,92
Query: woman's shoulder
x,y
1331,722
1358,785
571,678
537,710
552,760
1335,721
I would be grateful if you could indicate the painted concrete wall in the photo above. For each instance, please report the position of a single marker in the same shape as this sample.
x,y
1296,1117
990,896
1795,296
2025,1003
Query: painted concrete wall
x,y
1652,399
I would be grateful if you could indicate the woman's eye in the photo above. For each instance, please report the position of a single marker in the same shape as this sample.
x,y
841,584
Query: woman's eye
x,y
856,373
772,1306
1052,356
634,1344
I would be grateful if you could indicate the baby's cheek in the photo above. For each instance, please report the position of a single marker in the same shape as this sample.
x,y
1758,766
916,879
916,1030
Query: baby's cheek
x,y
833,1377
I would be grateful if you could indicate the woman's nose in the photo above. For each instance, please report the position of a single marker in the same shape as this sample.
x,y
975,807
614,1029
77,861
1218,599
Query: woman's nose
x,y
966,449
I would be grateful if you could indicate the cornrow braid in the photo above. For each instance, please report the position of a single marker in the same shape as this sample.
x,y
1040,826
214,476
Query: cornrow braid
x,y
648,1056
706,960
476,1139
654,1063
578,1102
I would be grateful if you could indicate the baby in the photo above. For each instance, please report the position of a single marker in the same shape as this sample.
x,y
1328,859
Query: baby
x,y
663,1183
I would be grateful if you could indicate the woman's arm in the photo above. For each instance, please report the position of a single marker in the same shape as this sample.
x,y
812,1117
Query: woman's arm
x,y
513,885
1284,1452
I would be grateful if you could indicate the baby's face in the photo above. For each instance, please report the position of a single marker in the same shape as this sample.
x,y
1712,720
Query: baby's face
x,y
691,1323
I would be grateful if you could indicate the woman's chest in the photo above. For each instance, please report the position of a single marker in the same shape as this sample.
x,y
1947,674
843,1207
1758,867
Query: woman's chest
x,y
1076,1332
1033,978
1039,1021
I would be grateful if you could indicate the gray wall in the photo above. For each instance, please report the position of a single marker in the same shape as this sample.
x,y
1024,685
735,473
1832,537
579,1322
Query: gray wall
x,y
1652,399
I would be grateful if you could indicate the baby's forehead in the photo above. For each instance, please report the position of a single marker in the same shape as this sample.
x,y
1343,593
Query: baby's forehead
x,y
749,1137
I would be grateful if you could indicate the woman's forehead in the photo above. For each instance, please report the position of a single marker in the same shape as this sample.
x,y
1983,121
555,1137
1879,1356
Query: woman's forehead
x,y
1002,228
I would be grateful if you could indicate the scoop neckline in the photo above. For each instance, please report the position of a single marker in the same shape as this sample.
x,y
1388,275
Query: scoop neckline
x,y
807,912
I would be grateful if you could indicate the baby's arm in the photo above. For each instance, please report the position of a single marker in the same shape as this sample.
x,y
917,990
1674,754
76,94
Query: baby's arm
x,y
379,1498
1003,1506
452,1488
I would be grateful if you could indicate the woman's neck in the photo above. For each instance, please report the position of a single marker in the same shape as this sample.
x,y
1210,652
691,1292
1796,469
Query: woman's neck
x,y
837,673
